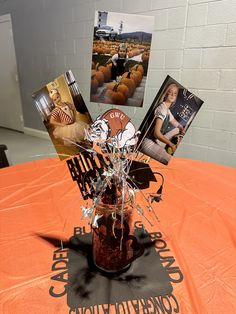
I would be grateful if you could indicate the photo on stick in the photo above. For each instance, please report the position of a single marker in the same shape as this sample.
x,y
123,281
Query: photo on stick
x,y
64,114
120,58
167,120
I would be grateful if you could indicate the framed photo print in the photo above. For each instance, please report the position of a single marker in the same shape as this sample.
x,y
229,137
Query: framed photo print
x,y
120,58
167,120
64,114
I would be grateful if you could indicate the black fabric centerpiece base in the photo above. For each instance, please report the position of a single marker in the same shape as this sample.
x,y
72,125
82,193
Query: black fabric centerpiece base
x,y
87,285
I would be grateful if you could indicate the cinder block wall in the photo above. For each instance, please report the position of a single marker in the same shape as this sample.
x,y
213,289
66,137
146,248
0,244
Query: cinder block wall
x,y
194,41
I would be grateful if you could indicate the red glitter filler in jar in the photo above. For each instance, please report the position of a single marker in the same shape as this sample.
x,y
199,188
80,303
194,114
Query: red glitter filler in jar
x,y
114,244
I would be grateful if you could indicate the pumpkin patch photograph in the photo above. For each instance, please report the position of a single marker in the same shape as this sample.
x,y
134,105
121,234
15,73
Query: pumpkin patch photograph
x,y
120,58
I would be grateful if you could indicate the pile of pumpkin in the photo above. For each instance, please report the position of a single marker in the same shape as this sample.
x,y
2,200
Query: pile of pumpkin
x,y
115,92
111,48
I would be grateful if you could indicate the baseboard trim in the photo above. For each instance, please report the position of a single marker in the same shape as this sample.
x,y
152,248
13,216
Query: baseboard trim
x,y
36,133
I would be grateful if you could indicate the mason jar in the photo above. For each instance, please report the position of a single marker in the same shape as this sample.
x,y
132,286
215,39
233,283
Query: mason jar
x,y
113,235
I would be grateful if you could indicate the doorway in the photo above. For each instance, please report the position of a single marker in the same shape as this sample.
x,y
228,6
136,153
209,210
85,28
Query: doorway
x,y
11,115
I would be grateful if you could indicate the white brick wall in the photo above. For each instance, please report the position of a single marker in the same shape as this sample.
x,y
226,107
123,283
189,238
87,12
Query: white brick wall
x,y
176,17
192,58
233,143
197,14
224,121
231,35
117,6
200,79
219,58
200,1
131,7
156,77
194,41
212,138
65,47
205,36
173,59
222,12
157,59
218,100
228,80
217,155
168,39
84,11
75,61
161,19
204,119
162,4
191,151
75,30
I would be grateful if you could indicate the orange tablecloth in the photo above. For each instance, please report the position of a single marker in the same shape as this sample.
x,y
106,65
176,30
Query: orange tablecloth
x,y
39,202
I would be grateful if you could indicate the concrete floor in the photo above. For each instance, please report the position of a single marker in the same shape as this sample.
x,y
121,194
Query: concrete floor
x,y
23,148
